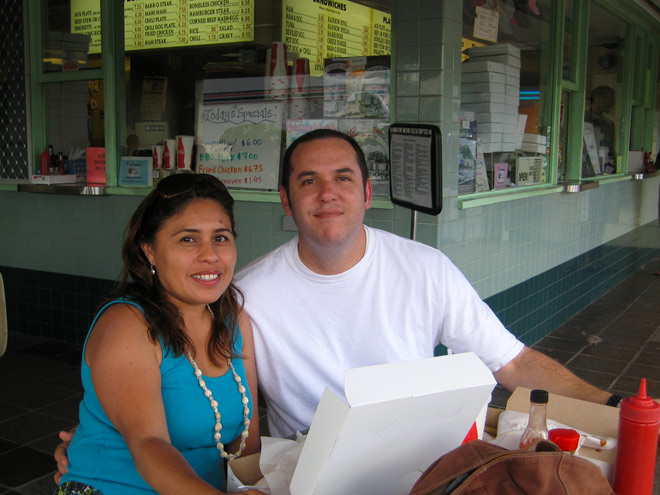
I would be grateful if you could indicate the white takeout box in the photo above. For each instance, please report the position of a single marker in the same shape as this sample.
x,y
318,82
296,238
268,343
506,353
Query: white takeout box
x,y
399,419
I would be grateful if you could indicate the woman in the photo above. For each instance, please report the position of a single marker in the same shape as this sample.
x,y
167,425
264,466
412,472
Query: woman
x,y
168,366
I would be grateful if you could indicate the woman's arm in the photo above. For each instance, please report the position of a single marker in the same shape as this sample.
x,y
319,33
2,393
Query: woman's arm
x,y
125,371
253,443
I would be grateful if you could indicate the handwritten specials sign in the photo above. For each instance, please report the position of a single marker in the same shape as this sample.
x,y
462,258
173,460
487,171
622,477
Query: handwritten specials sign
x,y
319,29
169,23
240,143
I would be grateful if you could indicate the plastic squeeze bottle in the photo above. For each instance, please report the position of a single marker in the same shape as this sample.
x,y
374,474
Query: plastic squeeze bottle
x,y
537,428
639,422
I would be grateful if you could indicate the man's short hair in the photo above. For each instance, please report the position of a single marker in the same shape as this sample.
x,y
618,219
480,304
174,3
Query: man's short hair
x,y
285,174
602,91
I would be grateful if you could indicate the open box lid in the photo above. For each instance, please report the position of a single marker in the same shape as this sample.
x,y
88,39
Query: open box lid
x,y
400,417
597,419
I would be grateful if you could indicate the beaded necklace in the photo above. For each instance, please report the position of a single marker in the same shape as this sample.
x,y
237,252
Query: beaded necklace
x,y
214,405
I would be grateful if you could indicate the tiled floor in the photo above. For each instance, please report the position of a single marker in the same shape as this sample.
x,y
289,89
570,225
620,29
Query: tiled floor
x,y
612,343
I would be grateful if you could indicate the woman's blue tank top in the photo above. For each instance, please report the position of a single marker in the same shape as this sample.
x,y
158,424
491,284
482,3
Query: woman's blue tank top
x,y
98,455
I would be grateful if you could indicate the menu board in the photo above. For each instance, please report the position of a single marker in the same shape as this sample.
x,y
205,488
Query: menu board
x,y
319,29
416,167
240,143
152,24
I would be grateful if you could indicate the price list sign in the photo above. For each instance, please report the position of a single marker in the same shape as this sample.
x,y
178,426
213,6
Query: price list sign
x,y
416,167
319,29
152,24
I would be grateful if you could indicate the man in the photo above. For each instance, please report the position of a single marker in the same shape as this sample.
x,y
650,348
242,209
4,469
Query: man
x,y
602,100
342,295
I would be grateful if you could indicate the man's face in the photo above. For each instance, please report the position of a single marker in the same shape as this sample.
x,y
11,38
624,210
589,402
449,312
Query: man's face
x,y
326,197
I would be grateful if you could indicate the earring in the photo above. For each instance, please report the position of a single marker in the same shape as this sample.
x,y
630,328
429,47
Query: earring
x,y
153,270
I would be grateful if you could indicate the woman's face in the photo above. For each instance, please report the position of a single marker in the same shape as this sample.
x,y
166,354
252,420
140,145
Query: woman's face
x,y
194,254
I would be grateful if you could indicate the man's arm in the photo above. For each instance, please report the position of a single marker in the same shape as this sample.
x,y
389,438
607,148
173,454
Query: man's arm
x,y
531,369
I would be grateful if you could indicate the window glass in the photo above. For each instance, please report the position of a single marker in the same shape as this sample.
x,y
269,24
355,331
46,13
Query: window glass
x,y
505,107
228,77
656,127
568,60
72,40
602,119
75,120
563,137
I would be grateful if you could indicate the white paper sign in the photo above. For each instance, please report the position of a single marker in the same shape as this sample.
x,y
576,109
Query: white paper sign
x,y
240,143
486,24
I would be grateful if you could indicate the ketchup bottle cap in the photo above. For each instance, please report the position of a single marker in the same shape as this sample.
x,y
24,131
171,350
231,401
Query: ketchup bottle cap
x,y
567,439
640,408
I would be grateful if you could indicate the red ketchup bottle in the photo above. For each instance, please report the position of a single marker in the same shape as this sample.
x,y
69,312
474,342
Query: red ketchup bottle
x,y
637,444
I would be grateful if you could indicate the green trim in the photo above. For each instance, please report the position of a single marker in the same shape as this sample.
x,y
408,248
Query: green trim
x,y
551,85
611,179
626,97
473,201
112,61
8,187
37,105
576,97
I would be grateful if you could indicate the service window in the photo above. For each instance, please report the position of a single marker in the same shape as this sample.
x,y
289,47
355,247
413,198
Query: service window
x,y
601,149
505,96
219,81
223,86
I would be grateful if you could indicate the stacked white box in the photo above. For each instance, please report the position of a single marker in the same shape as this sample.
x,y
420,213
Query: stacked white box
x,y
534,143
490,87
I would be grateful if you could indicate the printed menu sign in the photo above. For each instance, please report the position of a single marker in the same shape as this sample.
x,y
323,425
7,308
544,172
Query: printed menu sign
x,y
240,143
415,167
170,23
319,29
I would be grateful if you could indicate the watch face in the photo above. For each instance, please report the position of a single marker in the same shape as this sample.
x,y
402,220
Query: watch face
x,y
606,61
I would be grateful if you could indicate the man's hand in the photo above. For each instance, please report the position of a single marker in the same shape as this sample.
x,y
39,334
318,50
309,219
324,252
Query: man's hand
x,y
61,453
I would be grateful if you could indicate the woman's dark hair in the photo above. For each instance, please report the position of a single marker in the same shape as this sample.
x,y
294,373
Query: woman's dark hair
x,y
137,282
285,174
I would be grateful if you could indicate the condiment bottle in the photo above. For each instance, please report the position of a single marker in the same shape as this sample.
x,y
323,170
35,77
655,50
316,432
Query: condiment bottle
x,y
45,162
567,439
537,428
61,164
637,444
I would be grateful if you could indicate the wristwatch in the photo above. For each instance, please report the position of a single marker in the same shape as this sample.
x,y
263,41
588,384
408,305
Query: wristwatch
x,y
614,400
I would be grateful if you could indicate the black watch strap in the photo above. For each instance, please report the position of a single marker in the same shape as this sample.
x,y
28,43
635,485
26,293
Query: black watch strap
x,y
614,400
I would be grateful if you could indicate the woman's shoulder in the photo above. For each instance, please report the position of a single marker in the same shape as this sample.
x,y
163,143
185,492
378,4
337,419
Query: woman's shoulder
x,y
121,320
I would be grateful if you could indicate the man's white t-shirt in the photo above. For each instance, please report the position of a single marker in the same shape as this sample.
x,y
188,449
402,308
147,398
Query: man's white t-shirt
x,y
396,304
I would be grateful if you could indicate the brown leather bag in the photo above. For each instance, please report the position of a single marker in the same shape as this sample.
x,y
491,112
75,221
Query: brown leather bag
x,y
481,468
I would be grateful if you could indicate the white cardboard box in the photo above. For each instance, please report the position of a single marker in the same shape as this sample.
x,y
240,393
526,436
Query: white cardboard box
x,y
398,419
500,118
478,77
499,49
483,98
485,66
482,87
485,107
58,179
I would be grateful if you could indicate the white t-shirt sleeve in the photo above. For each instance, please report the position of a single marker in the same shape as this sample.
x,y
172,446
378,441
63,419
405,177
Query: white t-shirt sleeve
x,y
470,325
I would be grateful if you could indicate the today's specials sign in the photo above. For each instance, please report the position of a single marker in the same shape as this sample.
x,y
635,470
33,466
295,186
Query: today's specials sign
x,y
240,143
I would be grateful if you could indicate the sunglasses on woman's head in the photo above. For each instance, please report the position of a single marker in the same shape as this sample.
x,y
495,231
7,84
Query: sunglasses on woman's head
x,y
176,184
